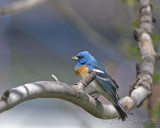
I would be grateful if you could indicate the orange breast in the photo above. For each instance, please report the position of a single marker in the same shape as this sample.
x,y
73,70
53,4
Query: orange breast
x,y
81,71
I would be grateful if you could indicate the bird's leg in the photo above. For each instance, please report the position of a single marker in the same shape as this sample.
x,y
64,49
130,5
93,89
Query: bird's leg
x,y
96,98
92,93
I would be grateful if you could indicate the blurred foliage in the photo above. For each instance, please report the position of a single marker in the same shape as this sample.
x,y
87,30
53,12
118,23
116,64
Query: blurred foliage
x,y
130,3
148,126
156,109
132,50
156,76
155,38
135,24
155,113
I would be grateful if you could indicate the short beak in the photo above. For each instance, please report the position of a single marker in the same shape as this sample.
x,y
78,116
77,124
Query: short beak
x,y
75,58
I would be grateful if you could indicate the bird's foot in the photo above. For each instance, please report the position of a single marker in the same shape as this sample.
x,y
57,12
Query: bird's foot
x,y
92,95
96,99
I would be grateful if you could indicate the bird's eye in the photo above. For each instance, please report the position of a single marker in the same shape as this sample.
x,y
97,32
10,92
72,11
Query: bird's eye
x,y
80,57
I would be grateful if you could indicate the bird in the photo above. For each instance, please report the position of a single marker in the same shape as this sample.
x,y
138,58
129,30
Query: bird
x,y
102,85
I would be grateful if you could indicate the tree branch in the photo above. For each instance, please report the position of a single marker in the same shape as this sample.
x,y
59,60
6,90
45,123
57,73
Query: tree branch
x,y
140,90
148,55
48,89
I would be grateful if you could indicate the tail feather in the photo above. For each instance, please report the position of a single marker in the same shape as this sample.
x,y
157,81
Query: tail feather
x,y
121,111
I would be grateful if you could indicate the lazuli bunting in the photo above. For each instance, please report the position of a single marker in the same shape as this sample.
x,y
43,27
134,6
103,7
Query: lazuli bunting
x,y
102,85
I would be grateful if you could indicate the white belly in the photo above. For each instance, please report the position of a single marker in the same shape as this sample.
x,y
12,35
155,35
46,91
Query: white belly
x,y
95,90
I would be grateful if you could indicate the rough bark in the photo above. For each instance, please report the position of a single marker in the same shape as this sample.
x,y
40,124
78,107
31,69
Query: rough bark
x,y
148,55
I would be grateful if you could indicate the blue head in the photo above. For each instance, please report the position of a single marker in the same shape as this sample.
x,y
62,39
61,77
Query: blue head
x,y
84,58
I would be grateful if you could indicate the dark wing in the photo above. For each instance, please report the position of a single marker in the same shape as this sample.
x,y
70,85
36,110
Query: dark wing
x,y
104,79
107,83
110,86
113,82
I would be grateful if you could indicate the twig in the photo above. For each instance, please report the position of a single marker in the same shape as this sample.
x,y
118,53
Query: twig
x,y
56,79
86,81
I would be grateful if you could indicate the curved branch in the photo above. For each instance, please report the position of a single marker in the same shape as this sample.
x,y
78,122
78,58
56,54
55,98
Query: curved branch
x,y
138,93
49,89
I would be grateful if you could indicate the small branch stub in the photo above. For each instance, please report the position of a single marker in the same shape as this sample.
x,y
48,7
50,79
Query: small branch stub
x,y
55,78
85,81
5,95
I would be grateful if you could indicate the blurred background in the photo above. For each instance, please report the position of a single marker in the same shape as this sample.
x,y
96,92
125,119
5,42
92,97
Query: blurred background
x,y
40,41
